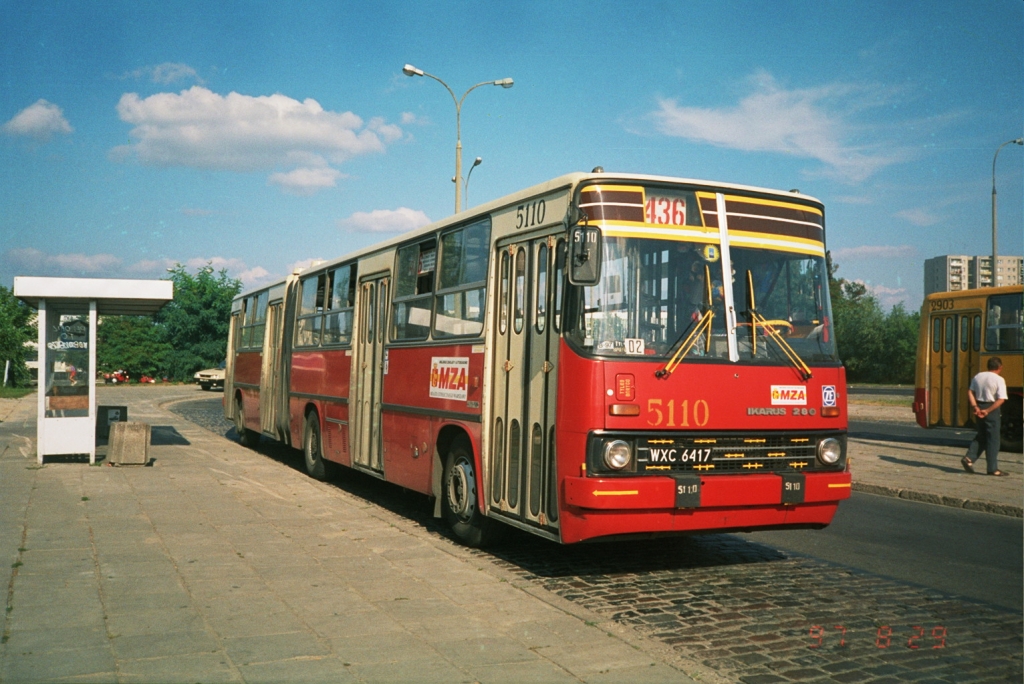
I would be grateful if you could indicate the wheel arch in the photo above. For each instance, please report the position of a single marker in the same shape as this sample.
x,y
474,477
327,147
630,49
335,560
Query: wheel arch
x,y
446,437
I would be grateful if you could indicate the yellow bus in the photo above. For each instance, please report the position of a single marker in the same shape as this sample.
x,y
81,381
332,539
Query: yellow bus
x,y
960,332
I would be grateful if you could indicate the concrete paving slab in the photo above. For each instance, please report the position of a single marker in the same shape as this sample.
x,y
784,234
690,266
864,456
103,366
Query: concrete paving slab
x,y
275,647
330,670
539,670
195,667
426,671
141,646
49,666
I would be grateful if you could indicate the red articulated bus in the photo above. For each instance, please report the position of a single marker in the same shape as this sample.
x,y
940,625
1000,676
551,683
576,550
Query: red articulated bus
x,y
602,355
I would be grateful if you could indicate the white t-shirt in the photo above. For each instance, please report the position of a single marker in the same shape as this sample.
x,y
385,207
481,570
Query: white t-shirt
x,y
988,386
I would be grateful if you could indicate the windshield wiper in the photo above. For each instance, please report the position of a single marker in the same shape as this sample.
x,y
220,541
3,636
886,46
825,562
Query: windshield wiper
x,y
771,331
703,326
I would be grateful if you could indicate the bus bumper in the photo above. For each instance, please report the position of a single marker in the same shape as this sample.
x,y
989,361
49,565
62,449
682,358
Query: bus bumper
x,y
597,507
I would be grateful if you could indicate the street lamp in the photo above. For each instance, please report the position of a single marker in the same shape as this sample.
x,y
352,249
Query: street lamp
x,y
995,243
410,70
476,162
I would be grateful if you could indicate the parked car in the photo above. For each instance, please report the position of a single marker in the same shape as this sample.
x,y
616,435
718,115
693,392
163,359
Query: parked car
x,y
211,377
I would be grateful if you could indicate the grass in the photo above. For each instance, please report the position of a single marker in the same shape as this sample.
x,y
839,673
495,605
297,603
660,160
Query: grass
x,y
15,392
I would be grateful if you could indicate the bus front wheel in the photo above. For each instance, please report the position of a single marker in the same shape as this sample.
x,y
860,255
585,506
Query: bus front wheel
x,y
459,497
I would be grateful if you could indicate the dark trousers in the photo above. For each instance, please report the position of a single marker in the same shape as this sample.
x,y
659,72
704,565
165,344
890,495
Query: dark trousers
x,y
987,438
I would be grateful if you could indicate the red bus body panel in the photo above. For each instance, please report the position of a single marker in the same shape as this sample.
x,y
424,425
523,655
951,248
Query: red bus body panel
x,y
697,397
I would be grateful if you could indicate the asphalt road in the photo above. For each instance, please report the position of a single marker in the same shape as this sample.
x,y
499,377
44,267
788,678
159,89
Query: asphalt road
x,y
952,550
910,434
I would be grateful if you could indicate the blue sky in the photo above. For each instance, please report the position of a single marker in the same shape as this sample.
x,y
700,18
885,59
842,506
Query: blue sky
x,y
258,136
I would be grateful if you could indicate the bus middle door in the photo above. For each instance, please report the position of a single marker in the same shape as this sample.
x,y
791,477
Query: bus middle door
x,y
373,307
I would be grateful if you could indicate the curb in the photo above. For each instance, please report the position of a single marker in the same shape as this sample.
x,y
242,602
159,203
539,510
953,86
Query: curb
x,y
951,501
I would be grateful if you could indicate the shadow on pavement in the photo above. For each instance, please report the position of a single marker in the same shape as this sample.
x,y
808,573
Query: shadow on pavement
x,y
533,556
919,464
167,435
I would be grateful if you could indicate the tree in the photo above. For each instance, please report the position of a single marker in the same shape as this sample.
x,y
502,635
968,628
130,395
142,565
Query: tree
x,y
195,324
17,326
874,346
131,343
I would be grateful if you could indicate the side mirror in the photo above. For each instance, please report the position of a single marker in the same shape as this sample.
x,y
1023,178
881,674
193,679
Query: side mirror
x,y
585,255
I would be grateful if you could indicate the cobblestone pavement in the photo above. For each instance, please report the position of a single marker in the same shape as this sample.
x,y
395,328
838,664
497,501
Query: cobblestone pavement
x,y
751,613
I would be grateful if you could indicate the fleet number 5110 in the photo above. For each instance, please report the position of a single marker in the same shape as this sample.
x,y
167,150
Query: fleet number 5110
x,y
660,409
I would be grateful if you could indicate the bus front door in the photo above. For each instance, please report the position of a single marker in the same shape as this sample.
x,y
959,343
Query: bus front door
x,y
522,478
942,382
373,305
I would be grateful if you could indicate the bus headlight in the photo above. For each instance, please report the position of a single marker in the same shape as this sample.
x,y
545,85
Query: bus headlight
x,y
830,451
617,454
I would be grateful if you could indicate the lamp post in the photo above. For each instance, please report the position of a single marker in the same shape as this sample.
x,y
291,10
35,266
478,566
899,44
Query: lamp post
x,y
410,70
995,239
476,162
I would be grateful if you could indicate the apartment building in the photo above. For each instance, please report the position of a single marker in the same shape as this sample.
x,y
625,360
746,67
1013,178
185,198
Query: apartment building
x,y
953,272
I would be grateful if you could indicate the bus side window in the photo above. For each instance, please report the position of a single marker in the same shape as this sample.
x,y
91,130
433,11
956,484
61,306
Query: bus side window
x,y
338,321
936,334
1004,323
414,285
462,281
311,307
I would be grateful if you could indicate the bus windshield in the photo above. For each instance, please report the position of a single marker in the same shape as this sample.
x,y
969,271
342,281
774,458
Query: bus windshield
x,y
653,293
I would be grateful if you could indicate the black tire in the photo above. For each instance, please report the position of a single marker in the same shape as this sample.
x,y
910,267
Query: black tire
x,y
459,503
205,386
313,448
1011,428
246,437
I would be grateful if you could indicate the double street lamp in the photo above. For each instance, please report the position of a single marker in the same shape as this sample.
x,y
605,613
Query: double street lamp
x,y
995,243
410,70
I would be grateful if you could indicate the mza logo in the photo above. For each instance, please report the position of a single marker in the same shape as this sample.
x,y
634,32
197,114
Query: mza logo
x,y
828,395
449,376
789,395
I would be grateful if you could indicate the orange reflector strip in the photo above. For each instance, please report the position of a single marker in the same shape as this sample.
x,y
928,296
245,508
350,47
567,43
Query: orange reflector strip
x,y
650,467
839,486
799,439
754,441
624,410
661,441
776,453
625,492
709,466
830,412
705,441
798,464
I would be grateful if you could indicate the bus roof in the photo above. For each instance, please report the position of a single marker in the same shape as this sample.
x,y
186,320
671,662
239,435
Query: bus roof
x,y
569,180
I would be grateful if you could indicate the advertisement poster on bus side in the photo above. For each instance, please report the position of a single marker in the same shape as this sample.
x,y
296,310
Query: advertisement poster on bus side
x,y
449,377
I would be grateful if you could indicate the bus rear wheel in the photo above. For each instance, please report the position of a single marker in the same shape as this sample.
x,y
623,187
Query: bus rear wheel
x,y
459,498
313,448
246,437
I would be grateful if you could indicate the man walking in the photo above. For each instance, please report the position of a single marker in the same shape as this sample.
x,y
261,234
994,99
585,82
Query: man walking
x,y
987,394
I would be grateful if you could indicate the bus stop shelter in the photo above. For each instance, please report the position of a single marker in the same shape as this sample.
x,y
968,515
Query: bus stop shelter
x,y
68,310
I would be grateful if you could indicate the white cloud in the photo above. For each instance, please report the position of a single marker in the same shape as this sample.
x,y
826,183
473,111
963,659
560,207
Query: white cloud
x,y
303,264
166,73
408,118
919,217
198,128
40,121
887,297
875,252
30,261
385,220
810,123
305,181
